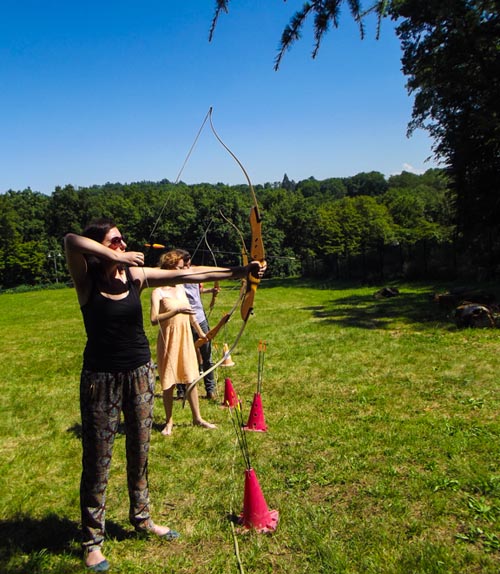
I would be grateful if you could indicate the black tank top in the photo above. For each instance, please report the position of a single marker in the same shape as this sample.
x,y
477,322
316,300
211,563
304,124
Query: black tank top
x,y
116,340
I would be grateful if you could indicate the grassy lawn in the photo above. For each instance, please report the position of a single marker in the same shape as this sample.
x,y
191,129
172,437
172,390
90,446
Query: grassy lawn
x,y
382,453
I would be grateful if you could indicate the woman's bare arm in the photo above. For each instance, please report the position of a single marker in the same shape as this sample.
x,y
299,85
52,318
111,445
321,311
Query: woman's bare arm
x,y
157,317
76,246
156,277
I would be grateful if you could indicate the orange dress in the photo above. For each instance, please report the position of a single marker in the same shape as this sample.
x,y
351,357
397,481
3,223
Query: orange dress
x,y
175,351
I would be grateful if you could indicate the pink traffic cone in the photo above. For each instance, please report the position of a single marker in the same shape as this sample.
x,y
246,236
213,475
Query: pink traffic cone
x,y
230,398
256,420
255,512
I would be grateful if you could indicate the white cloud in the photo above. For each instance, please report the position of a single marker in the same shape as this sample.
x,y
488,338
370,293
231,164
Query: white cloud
x,y
411,169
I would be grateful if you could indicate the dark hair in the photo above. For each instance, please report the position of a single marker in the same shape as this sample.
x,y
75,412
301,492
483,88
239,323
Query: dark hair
x,y
98,228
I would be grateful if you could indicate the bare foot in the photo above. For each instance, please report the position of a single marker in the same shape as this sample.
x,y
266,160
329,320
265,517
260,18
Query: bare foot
x,y
167,431
204,424
94,557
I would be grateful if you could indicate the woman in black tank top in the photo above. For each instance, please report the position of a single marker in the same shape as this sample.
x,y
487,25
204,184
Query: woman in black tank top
x,y
117,374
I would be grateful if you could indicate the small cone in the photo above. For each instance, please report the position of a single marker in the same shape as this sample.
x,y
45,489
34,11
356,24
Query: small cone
x,y
230,398
227,362
256,420
255,512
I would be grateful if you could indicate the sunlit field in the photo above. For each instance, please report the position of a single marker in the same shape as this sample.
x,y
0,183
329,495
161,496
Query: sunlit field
x,y
381,455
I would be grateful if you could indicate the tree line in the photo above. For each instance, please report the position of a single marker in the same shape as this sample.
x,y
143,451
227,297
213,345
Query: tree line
x,y
443,223
451,59
366,227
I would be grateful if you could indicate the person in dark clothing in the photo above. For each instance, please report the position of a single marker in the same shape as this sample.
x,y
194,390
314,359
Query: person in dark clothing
x,y
117,373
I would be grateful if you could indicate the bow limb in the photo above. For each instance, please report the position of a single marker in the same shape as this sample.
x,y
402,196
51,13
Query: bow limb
x,y
212,333
216,287
222,322
215,365
257,252
215,292
244,253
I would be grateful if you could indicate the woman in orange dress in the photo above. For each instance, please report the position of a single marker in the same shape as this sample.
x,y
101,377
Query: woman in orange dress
x,y
175,351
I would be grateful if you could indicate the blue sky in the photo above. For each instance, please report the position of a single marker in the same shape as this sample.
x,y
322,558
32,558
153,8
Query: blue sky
x,y
116,91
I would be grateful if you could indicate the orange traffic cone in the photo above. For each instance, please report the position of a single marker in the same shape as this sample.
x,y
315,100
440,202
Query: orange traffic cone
x,y
255,512
256,420
230,398
227,362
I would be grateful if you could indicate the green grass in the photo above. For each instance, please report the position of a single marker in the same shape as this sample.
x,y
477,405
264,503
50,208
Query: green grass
x,y
382,453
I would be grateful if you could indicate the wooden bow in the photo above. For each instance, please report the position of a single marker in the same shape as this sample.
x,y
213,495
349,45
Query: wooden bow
x,y
257,253
212,333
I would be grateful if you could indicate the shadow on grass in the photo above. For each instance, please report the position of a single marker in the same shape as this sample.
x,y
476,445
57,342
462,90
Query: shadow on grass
x,y
411,307
367,312
158,427
51,534
76,430
364,310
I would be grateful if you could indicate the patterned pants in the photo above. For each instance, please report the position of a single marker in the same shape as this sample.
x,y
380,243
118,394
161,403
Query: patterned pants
x,y
103,396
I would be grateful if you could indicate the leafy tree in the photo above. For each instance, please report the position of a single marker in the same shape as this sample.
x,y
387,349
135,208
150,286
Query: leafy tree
x,y
330,231
287,184
9,236
324,14
220,211
422,218
333,188
372,183
377,223
354,226
149,203
24,243
451,55
294,215
65,212
377,231
31,213
417,214
309,187
404,179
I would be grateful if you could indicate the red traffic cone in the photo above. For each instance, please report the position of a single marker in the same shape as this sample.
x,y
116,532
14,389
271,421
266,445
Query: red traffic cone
x,y
256,420
255,512
230,398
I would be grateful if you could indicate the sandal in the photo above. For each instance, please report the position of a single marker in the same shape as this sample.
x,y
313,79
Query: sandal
x,y
149,530
102,566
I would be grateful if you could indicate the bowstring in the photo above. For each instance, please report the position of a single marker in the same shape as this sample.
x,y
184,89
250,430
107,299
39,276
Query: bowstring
x,y
214,259
186,159
158,219
208,116
205,239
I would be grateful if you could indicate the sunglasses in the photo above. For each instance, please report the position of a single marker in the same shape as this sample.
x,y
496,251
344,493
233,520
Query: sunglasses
x,y
115,241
